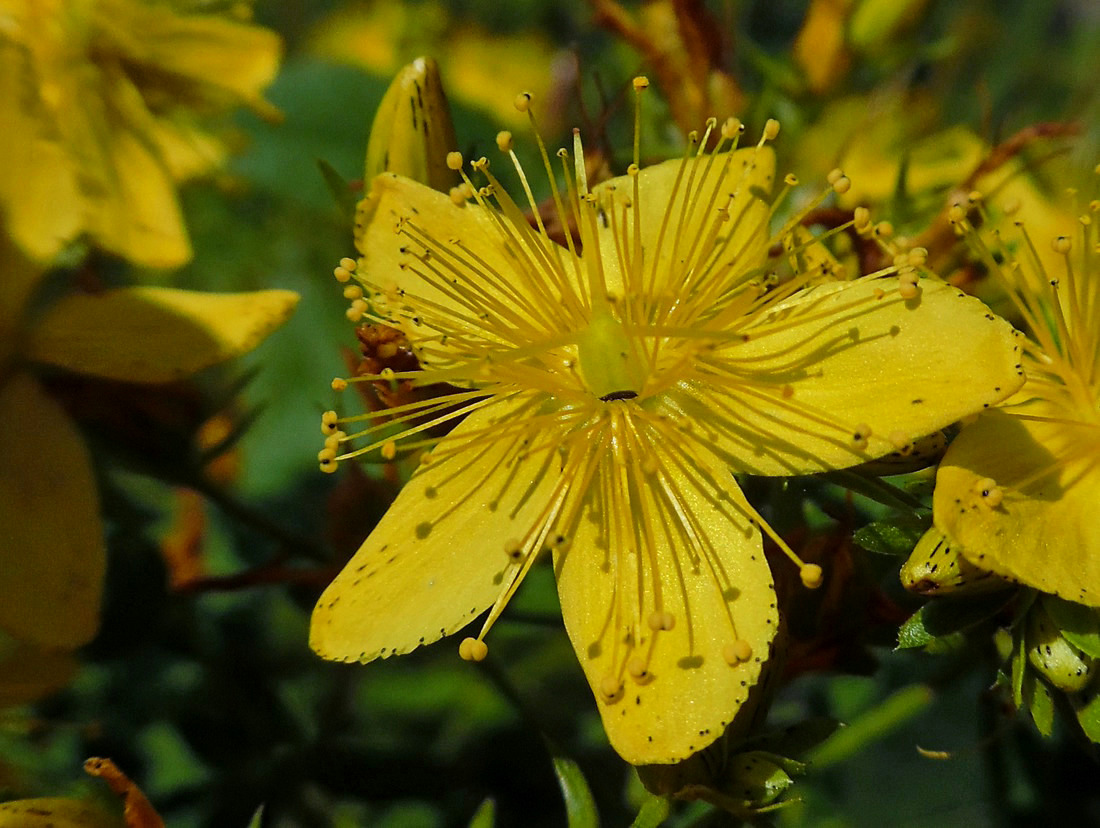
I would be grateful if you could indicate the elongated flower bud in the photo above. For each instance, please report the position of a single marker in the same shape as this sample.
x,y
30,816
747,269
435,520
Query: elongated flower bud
x,y
1060,663
412,131
937,568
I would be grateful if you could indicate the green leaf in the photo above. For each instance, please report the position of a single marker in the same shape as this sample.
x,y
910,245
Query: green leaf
x,y
1088,716
933,624
653,812
1019,669
894,536
485,816
1039,701
580,807
1080,625
257,818
872,726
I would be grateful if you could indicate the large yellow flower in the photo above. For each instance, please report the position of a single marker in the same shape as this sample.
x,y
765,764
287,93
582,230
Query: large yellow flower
x,y
1018,490
100,102
604,397
51,542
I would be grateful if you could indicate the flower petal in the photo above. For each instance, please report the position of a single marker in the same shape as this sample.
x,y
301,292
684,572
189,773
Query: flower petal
x,y
1046,536
679,202
155,334
439,556
686,531
28,673
835,358
51,545
481,283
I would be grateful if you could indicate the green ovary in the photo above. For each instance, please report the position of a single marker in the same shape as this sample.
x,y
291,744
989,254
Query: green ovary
x,y
609,362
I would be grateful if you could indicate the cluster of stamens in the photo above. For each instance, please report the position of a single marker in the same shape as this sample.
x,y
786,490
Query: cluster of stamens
x,y
584,350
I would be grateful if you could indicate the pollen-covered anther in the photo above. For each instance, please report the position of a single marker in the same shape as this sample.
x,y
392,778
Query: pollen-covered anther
x,y
326,454
732,128
353,292
811,575
901,441
918,256
513,548
632,170
522,101
328,465
333,441
356,311
389,450
641,82
611,689
504,141
638,669
737,652
990,493
908,283
1061,244
454,160
328,423
860,436
473,649
661,620
791,180
861,219
343,271
884,229
771,129
458,195
339,384
975,197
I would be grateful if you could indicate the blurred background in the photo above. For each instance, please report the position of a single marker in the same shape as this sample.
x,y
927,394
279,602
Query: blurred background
x,y
219,531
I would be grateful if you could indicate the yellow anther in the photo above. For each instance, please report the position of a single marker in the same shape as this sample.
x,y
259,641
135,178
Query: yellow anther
x,y
731,128
956,213
514,549
611,688
353,292
811,575
884,229
473,649
661,620
900,441
791,180
641,82
861,218
737,652
1061,244
632,170
342,274
333,440
504,141
458,195
834,175
842,185
908,288
356,311
426,457
878,293
328,466
386,374
861,435
339,384
454,160
522,101
326,454
328,423
771,129
389,450
348,263
975,196
918,256
638,669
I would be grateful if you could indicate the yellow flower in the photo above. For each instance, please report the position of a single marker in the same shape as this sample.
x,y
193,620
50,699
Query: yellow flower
x,y
604,396
100,102
51,546
1018,490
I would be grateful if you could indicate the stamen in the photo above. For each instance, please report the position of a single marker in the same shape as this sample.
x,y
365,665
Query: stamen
x,y
473,649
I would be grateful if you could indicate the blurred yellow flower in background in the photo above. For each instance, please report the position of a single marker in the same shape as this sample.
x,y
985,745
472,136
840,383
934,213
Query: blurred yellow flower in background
x,y
101,102
52,555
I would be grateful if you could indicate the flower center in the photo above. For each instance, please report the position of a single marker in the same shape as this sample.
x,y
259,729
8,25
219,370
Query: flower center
x,y
608,359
